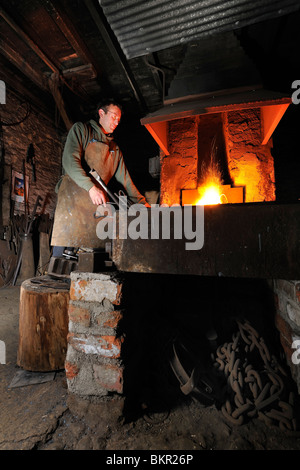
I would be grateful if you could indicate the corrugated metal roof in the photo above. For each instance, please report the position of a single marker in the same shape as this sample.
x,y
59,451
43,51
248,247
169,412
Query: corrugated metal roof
x,y
145,26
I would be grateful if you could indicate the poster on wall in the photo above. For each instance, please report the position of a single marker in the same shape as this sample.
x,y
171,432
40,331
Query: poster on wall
x,y
18,187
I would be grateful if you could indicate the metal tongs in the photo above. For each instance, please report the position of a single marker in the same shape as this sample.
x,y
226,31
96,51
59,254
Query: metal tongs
x,y
114,197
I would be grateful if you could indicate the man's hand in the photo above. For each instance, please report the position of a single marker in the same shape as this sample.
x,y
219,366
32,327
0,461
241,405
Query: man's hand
x,y
97,196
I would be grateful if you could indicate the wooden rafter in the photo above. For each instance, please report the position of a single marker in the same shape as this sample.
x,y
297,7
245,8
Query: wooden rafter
x,y
69,31
15,58
28,40
54,87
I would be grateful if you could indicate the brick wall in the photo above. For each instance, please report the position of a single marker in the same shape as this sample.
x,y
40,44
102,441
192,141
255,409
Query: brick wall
x,y
250,164
247,163
94,367
287,321
118,332
179,170
36,128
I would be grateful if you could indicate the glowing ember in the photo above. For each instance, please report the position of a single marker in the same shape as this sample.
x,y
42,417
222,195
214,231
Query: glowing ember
x,y
210,189
210,195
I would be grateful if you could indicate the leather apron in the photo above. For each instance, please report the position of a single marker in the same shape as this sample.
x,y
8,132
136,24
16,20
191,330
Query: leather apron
x,y
74,221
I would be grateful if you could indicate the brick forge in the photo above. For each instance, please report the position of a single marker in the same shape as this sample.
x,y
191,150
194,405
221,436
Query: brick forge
x,y
246,160
94,367
241,157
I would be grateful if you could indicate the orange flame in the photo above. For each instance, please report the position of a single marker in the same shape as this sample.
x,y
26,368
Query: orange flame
x,y
210,195
210,190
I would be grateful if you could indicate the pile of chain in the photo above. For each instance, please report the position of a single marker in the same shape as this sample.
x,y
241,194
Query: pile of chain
x,y
254,381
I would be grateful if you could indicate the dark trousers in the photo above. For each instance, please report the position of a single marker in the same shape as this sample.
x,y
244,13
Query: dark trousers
x,y
58,250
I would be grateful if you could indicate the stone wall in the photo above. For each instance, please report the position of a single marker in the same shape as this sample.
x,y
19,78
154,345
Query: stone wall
x,y
250,164
22,125
243,161
287,321
179,170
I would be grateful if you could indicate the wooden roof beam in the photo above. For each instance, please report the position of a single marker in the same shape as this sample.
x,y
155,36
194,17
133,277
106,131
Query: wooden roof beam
x,y
18,61
54,87
55,70
28,41
67,28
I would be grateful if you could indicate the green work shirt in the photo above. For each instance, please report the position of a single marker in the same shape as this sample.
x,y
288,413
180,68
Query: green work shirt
x,y
73,162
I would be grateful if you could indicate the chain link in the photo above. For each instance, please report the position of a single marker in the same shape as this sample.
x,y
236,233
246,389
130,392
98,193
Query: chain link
x,y
252,392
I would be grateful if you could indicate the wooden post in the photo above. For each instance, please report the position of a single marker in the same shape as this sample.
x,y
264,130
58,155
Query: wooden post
x,y
43,324
53,85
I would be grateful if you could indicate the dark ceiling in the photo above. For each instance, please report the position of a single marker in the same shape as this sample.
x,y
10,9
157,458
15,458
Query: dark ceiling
x,y
64,55
145,52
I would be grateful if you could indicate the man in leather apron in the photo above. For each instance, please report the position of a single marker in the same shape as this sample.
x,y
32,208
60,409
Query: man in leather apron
x,y
89,146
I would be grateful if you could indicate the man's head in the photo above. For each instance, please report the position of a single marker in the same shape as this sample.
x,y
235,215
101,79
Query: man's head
x,y
109,112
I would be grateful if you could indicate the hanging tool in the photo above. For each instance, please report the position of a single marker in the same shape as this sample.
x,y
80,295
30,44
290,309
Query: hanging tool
x,y
27,231
2,153
30,159
37,203
2,162
25,194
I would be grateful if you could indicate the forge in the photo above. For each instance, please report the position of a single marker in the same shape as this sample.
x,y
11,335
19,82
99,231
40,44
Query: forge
x,y
231,133
150,306
221,146
168,300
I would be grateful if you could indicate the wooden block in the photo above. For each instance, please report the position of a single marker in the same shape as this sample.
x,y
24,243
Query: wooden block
x,y
43,324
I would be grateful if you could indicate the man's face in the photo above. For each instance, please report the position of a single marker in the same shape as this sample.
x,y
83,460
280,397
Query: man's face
x,y
110,119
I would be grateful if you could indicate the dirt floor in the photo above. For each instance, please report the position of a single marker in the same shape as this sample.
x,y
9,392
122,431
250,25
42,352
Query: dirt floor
x,y
37,416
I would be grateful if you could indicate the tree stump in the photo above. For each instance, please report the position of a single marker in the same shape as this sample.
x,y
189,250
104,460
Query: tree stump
x,y
43,324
